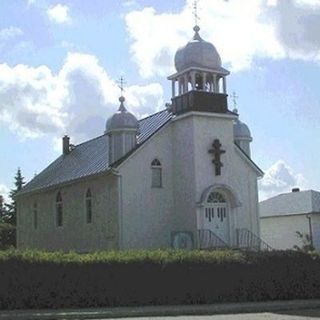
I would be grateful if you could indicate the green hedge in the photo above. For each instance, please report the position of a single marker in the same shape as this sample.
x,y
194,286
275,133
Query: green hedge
x,y
7,236
34,279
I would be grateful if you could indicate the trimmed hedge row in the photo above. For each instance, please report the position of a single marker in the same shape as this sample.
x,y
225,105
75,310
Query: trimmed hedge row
x,y
35,279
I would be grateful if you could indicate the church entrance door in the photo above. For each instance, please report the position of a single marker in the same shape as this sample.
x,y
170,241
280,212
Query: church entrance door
x,y
216,216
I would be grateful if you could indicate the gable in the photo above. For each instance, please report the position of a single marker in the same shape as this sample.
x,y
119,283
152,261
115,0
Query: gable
x,y
248,160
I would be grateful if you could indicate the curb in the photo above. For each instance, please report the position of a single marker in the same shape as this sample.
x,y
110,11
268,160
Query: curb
x,y
156,311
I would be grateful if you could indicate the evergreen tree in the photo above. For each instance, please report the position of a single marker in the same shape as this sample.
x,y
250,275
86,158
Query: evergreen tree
x,y
2,210
11,208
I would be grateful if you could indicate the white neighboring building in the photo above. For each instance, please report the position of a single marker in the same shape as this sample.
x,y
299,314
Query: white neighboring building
x,y
285,214
182,177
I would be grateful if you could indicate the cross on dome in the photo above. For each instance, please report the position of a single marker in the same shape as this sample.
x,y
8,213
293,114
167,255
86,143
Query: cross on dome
x,y
122,99
195,14
234,98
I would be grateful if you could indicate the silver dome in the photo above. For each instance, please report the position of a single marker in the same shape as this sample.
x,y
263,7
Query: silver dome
x,y
122,119
241,130
197,53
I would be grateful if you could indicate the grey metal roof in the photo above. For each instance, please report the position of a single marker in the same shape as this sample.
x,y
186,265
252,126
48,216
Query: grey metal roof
x,y
90,158
292,203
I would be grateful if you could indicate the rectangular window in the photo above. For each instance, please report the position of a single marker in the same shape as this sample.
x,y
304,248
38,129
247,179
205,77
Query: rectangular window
x,y
59,214
35,219
89,210
156,177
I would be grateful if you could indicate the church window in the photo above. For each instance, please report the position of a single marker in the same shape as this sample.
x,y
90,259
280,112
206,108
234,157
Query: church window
x,y
59,210
156,169
89,206
35,215
216,197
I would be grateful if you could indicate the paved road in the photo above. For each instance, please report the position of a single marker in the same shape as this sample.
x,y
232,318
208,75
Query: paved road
x,y
285,315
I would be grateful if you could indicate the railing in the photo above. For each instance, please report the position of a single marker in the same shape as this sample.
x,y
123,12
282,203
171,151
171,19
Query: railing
x,y
249,241
209,240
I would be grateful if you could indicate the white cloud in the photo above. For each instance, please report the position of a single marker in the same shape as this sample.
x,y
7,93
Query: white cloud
x,y
241,31
280,178
8,37
77,100
9,33
59,13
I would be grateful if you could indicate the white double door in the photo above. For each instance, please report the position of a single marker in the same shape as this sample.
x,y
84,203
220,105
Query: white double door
x,y
216,219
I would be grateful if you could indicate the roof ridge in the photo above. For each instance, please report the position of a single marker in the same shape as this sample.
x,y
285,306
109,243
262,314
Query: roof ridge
x,y
151,115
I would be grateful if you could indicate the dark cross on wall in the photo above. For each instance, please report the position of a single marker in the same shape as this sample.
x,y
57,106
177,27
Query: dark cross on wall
x,y
217,152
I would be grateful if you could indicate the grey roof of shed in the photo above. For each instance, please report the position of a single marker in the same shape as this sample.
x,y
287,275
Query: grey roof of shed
x,y
292,203
90,158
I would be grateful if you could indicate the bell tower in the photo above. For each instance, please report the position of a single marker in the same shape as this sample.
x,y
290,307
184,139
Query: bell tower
x,y
200,81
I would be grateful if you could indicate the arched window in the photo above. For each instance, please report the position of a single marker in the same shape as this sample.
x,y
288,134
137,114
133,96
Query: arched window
x,y
156,174
88,206
35,215
59,210
216,197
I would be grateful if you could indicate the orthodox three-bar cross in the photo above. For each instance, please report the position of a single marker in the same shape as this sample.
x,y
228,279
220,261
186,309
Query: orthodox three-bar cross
x,y
195,12
121,82
234,98
217,152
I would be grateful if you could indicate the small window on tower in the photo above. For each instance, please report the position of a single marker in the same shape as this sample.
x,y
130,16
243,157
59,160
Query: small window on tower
x,y
89,206
156,170
35,215
59,210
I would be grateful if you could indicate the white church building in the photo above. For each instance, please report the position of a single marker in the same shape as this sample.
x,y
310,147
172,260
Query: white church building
x,y
182,177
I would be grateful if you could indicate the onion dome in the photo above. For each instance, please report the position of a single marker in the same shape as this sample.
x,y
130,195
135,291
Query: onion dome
x,y
241,130
197,53
122,119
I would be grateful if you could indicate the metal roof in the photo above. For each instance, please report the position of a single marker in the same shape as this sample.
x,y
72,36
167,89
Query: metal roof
x,y
91,157
292,203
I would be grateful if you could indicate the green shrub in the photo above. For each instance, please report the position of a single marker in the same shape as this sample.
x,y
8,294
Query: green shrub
x,y
7,236
34,279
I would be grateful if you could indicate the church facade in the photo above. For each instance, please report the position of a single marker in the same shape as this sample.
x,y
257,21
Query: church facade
x,y
181,178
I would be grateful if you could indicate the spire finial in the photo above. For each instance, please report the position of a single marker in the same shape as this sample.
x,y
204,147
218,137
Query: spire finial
x,y
234,98
122,99
195,14
121,83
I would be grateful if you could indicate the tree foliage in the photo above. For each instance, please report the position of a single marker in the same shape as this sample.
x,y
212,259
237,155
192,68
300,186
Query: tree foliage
x,y
306,240
8,214
10,211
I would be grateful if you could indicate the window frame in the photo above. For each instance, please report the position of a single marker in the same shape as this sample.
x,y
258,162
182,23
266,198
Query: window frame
x,y
88,206
59,210
35,215
156,167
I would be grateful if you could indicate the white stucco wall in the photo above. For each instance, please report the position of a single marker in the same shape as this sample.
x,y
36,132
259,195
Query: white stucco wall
x,y
236,173
75,234
150,215
315,223
280,231
146,214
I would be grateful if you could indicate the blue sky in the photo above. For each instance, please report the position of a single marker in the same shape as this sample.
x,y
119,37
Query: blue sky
x,y
59,62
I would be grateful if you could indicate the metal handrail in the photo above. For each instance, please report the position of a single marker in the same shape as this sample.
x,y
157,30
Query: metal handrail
x,y
209,240
248,240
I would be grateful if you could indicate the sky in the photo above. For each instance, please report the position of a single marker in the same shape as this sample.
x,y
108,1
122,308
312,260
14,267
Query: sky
x,y
60,61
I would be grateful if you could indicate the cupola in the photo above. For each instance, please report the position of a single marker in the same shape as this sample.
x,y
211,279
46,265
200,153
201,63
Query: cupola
x,y
197,53
242,135
122,130
200,81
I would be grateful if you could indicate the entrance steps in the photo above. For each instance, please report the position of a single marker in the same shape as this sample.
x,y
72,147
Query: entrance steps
x,y
245,240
